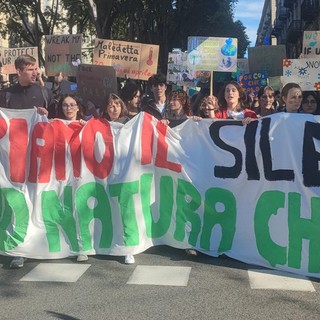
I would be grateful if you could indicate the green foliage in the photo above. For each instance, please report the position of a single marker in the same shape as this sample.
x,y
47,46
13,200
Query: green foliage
x,y
166,22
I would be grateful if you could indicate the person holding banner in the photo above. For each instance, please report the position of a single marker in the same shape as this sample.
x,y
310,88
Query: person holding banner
x,y
291,94
232,100
208,106
157,105
266,98
26,94
179,109
70,108
131,94
114,110
310,103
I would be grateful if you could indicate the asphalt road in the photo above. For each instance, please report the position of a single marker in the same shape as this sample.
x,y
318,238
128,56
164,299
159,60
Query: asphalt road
x,y
217,288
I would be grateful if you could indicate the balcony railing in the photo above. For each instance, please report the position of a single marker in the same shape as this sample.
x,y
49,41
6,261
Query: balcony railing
x,y
309,9
294,31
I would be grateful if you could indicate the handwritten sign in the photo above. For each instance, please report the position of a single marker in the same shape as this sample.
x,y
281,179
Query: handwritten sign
x,y
305,72
95,83
178,72
275,82
62,54
252,82
242,66
311,44
129,59
9,55
267,58
212,54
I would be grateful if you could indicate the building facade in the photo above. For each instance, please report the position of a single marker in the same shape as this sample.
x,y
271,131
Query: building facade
x,y
264,32
291,18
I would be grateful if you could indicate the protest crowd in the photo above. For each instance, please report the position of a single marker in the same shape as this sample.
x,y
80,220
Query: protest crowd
x,y
170,105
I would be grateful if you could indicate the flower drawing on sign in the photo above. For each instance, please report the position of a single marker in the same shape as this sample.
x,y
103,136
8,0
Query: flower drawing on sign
x,y
287,63
317,85
288,73
302,71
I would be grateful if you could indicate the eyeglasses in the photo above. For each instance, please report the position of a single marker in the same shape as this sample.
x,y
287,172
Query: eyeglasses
x,y
309,101
70,106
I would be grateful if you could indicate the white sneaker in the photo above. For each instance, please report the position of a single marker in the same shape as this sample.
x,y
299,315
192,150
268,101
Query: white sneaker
x,y
129,259
191,252
82,257
17,262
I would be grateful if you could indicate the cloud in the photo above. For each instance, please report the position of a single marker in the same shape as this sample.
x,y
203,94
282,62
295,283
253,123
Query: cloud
x,y
249,13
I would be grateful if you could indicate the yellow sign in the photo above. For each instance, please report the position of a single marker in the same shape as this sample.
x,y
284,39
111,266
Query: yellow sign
x,y
129,59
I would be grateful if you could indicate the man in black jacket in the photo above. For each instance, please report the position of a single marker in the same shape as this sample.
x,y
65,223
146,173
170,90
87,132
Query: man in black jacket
x,y
26,94
158,105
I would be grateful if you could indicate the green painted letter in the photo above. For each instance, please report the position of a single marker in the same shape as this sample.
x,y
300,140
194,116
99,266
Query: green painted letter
x,y
53,214
226,219
13,202
99,210
188,201
302,228
268,204
165,200
125,192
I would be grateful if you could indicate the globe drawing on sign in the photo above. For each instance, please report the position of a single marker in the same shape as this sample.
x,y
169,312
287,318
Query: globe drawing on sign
x,y
194,57
229,49
227,64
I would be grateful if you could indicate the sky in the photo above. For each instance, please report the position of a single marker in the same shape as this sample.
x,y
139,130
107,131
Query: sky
x,y
249,13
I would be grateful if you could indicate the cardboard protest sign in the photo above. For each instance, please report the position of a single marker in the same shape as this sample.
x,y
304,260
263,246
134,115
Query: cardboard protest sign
x,y
267,58
95,83
9,55
311,44
129,59
252,82
242,66
178,72
212,54
275,82
305,72
62,54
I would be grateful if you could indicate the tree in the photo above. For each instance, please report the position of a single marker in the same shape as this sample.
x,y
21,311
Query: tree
x,y
27,22
167,23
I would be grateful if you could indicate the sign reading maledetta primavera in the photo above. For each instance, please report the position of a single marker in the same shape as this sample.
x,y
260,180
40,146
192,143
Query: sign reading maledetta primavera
x,y
250,192
129,59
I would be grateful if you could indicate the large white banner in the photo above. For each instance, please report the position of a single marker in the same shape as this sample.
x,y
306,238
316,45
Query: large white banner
x,y
250,192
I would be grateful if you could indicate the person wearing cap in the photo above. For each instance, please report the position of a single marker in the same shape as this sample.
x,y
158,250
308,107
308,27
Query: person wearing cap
x,y
157,105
